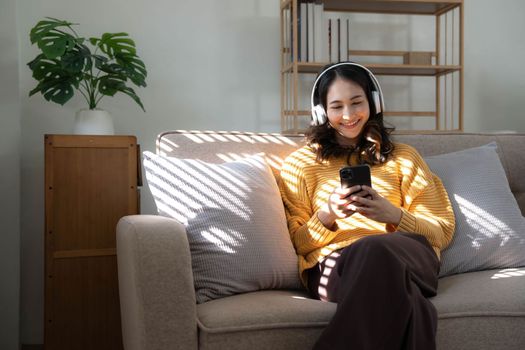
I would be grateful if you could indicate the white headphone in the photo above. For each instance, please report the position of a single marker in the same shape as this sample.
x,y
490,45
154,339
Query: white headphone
x,y
318,112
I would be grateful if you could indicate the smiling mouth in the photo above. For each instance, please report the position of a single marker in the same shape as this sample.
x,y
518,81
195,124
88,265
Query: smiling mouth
x,y
350,125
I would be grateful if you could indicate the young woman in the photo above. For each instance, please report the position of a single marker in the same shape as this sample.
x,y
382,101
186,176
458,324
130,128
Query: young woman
x,y
373,250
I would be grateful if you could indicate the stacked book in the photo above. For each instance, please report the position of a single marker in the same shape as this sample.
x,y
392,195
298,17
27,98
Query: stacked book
x,y
322,36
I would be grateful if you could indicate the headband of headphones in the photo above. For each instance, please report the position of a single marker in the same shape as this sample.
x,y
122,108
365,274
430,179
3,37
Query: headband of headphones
x,y
318,112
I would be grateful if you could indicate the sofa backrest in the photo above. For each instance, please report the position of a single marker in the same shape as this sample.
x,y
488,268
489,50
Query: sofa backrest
x,y
218,147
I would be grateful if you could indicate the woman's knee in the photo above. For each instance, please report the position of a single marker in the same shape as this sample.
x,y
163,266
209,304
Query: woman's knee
x,y
373,244
369,252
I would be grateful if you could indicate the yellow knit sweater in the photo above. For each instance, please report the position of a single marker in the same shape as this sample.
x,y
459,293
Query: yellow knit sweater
x,y
405,180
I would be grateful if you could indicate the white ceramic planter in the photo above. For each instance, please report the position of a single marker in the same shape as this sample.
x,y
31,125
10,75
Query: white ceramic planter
x,y
93,122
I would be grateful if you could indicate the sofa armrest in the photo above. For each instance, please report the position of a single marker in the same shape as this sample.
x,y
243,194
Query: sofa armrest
x,y
157,297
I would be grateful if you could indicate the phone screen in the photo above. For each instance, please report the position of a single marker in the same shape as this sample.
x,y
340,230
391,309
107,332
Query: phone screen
x,y
355,175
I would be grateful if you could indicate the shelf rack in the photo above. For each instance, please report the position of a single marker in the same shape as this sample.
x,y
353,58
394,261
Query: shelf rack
x,y
292,68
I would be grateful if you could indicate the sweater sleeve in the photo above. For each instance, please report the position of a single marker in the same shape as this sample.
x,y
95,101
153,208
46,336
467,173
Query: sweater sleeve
x,y
306,231
426,208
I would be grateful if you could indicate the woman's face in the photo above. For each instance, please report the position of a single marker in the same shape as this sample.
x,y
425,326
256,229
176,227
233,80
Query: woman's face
x,y
347,110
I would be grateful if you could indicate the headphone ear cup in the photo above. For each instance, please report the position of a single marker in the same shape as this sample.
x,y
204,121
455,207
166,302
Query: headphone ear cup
x,y
377,101
318,115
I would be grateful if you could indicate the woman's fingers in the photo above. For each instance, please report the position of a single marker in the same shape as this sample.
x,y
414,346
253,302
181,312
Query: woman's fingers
x,y
362,199
345,192
373,193
346,201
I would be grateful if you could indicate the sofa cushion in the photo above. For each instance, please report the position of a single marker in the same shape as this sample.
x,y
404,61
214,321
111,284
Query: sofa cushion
x,y
234,219
490,230
263,320
488,306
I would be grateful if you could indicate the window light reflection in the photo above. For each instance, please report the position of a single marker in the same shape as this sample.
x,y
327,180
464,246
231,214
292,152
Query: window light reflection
x,y
194,138
484,222
229,180
507,273
329,263
407,166
166,146
189,185
246,138
196,175
274,139
191,179
274,160
233,138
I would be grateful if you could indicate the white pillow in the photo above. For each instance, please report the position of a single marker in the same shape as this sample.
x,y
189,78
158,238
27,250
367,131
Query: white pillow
x,y
235,222
490,230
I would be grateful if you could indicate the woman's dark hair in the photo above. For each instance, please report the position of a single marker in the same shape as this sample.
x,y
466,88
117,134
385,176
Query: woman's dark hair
x,y
374,145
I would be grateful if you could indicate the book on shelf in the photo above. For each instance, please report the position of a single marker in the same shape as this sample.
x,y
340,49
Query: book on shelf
x,y
302,30
287,34
337,36
347,39
322,37
338,40
343,39
329,26
310,33
333,36
320,34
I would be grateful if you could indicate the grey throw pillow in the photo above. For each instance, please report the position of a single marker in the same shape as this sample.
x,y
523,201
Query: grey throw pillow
x,y
235,222
490,230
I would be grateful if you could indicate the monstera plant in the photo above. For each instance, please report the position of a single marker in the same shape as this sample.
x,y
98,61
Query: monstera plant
x,y
96,67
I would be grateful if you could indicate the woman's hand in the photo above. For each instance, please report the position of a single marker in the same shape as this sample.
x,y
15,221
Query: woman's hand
x,y
340,205
375,207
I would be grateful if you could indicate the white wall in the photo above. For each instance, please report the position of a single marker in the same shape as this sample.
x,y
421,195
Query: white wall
x,y
9,179
494,74
215,65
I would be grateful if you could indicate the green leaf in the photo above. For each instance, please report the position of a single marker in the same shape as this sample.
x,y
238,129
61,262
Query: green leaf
x,y
42,28
54,44
111,68
131,93
115,71
134,68
58,88
35,90
77,59
115,43
52,41
54,82
34,63
58,91
109,85
99,60
43,67
94,41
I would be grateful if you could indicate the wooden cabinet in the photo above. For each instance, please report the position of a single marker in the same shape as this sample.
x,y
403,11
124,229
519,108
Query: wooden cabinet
x,y
90,183
444,64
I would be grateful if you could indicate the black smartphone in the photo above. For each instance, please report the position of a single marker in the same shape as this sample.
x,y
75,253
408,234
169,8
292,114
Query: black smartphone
x,y
355,175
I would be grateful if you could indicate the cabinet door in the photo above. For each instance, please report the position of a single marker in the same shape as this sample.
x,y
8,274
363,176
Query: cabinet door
x,y
90,183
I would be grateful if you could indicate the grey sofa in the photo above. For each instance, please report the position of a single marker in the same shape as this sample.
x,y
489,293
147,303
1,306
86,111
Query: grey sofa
x,y
157,295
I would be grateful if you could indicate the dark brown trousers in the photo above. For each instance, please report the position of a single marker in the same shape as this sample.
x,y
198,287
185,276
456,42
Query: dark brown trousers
x,y
380,284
